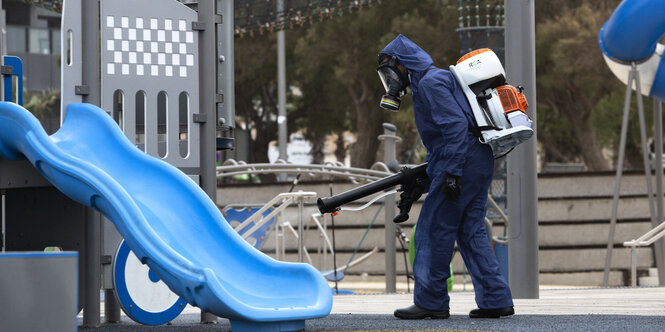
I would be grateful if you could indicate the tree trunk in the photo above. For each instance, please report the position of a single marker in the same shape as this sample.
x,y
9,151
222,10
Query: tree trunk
x,y
363,151
407,149
340,151
369,120
589,146
317,151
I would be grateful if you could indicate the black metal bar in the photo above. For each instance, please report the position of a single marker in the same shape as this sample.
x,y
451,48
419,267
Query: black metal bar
x,y
332,204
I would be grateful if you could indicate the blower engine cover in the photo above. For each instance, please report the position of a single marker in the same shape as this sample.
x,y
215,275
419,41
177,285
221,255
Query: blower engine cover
x,y
499,108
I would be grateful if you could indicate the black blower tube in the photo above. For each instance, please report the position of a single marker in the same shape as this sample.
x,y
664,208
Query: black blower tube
x,y
331,204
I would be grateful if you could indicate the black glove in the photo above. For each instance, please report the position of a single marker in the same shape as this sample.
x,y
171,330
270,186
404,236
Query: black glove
x,y
452,187
411,192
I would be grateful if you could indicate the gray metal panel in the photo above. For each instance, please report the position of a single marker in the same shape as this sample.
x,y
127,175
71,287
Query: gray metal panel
x,y
72,74
59,220
39,291
20,174
152,48
112,239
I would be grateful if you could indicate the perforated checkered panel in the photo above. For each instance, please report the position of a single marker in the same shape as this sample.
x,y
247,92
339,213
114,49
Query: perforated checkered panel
x,y
148,47
155,47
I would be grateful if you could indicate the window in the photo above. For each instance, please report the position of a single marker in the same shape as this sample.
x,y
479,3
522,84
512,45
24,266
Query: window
x,y
39,41
16,37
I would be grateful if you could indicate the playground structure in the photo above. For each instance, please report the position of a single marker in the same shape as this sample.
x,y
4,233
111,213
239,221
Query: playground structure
x,y
629,42
150,82
218,272
138,85
173,138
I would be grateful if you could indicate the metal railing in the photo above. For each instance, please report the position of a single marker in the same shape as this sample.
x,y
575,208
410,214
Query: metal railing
x,y
379,170
231,168
645,240
276,206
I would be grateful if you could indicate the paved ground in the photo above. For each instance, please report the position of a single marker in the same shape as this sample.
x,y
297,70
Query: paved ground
x,y
588,309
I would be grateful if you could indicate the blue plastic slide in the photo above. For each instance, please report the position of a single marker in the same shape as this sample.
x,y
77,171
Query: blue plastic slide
x,y
167,220
631,35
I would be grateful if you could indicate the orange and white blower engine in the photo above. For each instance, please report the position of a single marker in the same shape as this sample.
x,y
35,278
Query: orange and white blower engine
x,y
499,108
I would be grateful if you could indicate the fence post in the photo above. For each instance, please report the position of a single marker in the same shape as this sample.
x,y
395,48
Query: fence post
x,y
389,142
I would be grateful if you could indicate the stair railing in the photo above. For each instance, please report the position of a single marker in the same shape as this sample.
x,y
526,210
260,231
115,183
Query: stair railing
x,y
645,240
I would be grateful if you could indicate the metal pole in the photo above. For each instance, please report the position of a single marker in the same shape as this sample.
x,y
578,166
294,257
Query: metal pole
x,y
92,273
4,220
208,101
522,172
111,307
633,267
93,224
226,77
281,84
658,141
619,172
647,172
3,46
301,240
276,230
389,140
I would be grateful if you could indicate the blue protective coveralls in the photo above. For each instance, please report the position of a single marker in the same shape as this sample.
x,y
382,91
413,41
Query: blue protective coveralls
x,y
443,117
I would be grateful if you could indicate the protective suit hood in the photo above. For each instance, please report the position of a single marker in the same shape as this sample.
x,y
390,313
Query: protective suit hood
x,y
409,54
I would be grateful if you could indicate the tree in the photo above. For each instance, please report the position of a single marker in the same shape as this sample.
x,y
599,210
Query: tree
x,y
256,88
572,79
337,69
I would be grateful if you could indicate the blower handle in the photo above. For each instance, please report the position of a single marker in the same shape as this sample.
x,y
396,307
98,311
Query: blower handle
x,y
406,175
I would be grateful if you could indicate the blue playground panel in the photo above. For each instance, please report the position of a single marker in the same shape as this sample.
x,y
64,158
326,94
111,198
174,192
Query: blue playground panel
x,y
17,71
166,219
149,308
241,215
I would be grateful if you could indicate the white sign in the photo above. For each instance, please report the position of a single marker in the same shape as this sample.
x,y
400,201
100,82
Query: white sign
x,y
297,150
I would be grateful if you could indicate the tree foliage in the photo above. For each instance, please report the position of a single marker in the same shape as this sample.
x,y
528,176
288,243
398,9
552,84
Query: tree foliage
x,y
333,65
331,71
337,71
580,101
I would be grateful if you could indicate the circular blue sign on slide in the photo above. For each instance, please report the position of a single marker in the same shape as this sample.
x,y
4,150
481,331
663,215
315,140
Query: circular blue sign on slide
x,y
142,295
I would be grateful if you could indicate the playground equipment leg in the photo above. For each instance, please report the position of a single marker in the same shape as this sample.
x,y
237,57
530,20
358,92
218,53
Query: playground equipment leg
x,y
4,227
619,173
111,307
208,96
658,248
658,124
93,270
93,225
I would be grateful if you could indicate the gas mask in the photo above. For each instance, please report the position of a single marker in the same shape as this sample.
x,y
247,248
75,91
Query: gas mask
x,y
394,81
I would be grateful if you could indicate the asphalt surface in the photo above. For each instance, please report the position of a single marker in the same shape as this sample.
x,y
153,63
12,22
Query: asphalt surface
x,y
598,309
386,322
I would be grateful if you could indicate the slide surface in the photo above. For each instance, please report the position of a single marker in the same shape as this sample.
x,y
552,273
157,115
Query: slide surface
x,y
630,35
167,220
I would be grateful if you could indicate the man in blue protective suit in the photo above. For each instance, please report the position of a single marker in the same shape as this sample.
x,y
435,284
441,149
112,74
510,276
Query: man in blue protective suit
x,y
460,169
